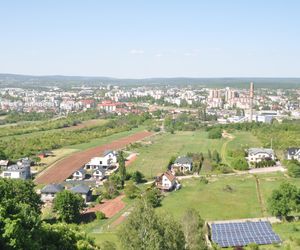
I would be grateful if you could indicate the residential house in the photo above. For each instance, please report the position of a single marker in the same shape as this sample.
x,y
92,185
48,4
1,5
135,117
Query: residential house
x,y
293,154
84,191
49,192
260,154
79,175
99,174
167,181
109,159
182,164
17,172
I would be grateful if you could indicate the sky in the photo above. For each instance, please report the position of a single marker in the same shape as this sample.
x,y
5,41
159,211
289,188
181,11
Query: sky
x,y
151,38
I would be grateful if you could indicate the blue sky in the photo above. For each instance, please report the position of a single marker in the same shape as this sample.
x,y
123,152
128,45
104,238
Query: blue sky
x,y
153,38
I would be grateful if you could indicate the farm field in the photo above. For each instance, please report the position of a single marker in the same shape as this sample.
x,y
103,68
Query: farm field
x,y
66,151
82,125
153,158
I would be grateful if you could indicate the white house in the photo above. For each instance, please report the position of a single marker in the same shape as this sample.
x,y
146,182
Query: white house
x,y
79,174
99,174
49,192
108,160
293,154
17,172
182,164
167,181
260,154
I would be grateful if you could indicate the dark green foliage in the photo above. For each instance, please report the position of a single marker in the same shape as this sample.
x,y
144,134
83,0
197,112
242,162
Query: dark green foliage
x,y
131,190
203,180
240,164
111,187
122,167
294,169
192,226
19,214
153,197
21,226
100,215
145,230
137,177
216,156
215,133
68,206
171,161
63,236
284,200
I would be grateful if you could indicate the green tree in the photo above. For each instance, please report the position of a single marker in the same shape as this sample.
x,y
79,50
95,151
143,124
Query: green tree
x,y
110,187
145,230
122,167
137,177
64,236
240,164
153,197
131,190
68,206
294,169
284,200
209,154
216,156
215,133
192,225
21,226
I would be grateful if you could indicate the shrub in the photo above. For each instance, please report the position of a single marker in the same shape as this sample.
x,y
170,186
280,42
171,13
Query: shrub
x,y
215,133
240,164
203,180
100,215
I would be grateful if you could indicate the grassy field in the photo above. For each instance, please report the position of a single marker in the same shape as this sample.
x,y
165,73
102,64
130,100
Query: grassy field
x,y
153,158
213,200
215,203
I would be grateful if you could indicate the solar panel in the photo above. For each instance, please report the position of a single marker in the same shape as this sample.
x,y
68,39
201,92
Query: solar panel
x,y
243,233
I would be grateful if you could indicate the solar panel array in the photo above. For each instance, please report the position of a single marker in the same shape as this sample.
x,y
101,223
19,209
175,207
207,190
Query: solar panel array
x,y
243,233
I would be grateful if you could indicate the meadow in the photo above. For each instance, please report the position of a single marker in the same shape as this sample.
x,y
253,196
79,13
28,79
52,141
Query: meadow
x,y
216,201
153,158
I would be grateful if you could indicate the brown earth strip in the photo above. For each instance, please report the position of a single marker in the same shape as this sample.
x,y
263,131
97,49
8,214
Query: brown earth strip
x,y
108,207
65,167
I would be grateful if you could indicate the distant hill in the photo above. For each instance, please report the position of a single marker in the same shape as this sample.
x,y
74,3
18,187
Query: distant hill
x,y
13,80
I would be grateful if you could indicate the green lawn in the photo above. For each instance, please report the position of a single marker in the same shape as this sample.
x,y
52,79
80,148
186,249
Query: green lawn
x,y
212,201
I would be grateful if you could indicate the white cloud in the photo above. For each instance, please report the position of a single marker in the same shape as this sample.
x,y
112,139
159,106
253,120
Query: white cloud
x,y
158,55
137,52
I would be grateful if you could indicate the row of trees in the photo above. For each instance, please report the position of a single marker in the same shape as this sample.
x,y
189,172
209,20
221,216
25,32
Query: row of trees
x,y
48,124
17,147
